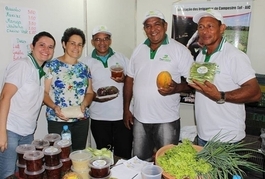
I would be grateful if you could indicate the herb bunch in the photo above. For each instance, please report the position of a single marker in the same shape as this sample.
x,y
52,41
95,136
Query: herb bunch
x,y
227,159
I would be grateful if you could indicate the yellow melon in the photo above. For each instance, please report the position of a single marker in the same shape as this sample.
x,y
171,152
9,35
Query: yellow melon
x,y
163,79
72,175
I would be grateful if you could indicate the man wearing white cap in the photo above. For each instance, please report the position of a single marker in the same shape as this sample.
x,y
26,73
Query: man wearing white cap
x,y
155,119
219,106
106,114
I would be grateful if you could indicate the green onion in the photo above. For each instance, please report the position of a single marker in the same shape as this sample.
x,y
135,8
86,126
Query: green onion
x,y
227,158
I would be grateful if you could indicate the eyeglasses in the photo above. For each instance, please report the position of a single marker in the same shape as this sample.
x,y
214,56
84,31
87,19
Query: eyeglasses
x,y
106,39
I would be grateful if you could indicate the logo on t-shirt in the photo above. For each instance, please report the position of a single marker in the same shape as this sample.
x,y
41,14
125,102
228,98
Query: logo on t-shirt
x,y
165,58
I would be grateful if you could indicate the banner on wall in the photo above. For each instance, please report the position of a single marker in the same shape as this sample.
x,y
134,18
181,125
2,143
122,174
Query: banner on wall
x,y
236,14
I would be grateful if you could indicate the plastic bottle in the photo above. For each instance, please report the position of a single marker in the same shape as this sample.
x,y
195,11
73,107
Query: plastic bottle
x,y
236,177
66,133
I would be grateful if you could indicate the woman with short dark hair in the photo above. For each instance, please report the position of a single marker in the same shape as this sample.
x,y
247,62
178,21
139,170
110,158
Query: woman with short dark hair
x,y
68,84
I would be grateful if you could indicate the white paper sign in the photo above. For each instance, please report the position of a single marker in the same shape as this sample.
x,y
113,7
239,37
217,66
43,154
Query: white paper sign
x,y
20,20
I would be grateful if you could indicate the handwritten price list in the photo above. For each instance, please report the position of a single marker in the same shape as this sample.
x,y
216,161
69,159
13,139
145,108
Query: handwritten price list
x,y
21,47
20,20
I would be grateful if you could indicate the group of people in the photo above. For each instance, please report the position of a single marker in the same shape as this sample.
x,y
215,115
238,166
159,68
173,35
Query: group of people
x,y
141,118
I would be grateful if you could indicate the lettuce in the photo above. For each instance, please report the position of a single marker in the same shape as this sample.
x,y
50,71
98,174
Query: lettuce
x,y
181,162
202,72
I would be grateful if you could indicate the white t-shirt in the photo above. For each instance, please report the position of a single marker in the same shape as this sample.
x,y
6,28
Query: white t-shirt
x,y
26,103
111,110
149,105
234,69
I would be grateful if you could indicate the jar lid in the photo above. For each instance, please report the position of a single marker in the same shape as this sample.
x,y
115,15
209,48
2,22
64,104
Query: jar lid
x,y
21,149
52,137
63,143
51,150
40,143
99,162
20,165
54,167
80,155
65,159
35,172
33,155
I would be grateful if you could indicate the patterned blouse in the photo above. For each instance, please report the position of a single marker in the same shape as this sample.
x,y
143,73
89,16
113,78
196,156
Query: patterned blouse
x,y
68,87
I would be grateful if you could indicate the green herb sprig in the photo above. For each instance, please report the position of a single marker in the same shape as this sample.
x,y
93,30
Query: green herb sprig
x,y
227,158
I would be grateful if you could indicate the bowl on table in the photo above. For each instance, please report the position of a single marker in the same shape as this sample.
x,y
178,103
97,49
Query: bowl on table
x,y
163,150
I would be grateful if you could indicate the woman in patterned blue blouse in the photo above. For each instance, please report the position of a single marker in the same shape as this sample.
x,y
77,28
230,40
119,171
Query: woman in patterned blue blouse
x,y
68,83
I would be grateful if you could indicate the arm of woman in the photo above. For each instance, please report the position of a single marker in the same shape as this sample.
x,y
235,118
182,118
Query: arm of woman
x,y
88,96
48,101
7,93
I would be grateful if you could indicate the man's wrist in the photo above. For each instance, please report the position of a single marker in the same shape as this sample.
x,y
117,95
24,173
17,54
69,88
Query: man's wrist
x,y
222,99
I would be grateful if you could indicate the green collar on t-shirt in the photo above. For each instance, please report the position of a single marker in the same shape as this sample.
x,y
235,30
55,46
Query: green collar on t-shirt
x,y
208,56
40,70
153,52
103,59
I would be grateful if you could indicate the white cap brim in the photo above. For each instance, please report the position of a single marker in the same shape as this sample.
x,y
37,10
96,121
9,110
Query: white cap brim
x,y
104,32
153,13
101,29
216,15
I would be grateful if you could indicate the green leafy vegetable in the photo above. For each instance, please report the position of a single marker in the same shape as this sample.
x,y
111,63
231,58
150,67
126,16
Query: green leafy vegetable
x,y
181,162
101,152
202,72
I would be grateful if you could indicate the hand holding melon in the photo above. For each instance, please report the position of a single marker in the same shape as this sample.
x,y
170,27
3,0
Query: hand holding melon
x,y
163,80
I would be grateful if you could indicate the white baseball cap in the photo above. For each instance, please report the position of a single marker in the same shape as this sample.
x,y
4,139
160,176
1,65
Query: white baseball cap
x,y
153,13
208,13
101,29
